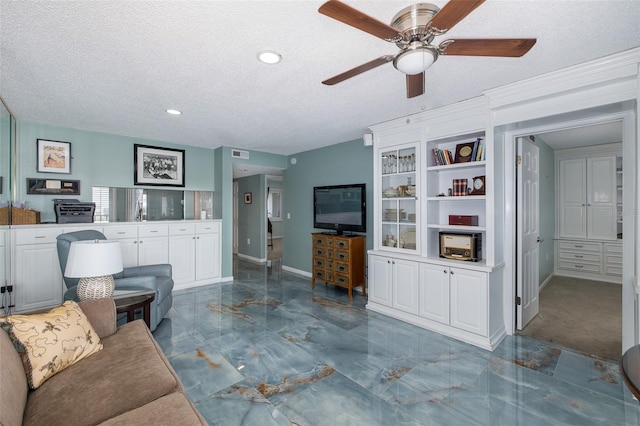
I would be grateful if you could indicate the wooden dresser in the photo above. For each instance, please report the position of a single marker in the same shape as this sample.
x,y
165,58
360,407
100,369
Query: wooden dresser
x,y
339,260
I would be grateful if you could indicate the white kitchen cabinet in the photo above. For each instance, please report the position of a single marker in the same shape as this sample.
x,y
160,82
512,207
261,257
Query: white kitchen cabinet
x,y
469,300
36,276
194,252
394,283
141,244
434,292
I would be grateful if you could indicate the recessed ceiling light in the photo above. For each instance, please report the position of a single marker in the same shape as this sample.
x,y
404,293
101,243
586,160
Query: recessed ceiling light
x,y
174,111
269,57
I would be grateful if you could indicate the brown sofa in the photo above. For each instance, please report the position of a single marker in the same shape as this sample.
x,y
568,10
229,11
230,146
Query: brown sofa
x,y
128,382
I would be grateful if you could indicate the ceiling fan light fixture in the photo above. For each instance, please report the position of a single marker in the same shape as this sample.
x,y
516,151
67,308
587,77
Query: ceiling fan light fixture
x,y
415,59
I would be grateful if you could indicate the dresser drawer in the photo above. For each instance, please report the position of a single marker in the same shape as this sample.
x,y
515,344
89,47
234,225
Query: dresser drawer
x,y
613,260
319,241
342,243
318,274
341,255
342,268
319,251
613,248
37,236
342,280
575,266
319,262
573,256
579,245
613,270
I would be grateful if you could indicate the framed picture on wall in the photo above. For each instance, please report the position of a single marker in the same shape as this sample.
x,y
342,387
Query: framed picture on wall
x,y
158,166
247,198
53,156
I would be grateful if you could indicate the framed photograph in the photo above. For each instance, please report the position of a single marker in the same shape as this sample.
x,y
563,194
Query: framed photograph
x,y
53,156
247,198
158,166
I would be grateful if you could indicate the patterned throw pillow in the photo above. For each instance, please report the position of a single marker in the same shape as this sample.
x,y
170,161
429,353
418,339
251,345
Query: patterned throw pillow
x,y
50,342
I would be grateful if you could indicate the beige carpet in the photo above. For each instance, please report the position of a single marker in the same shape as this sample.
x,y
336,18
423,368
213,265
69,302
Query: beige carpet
x,y
275,252
582,315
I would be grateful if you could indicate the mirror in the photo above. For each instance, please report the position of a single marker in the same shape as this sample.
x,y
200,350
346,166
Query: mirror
x,y
6,134
142,204
274,205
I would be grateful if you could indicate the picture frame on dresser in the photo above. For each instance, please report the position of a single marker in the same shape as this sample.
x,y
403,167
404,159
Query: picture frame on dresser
x,y
53,156
158,166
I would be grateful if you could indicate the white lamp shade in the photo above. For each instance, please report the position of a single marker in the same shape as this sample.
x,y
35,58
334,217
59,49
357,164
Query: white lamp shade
x,y
415,61
93,259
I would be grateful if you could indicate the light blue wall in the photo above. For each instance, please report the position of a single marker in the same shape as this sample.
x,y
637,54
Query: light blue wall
x,y
345,163
251,217
547,208
276,225
97,159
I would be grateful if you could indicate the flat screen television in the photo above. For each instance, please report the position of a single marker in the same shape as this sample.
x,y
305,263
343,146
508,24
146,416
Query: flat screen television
x,y
340,208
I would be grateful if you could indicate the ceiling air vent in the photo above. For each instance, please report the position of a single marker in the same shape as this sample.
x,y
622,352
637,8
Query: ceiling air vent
x,y
236,153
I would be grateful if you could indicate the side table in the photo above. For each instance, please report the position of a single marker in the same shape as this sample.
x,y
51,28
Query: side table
x,y
129,305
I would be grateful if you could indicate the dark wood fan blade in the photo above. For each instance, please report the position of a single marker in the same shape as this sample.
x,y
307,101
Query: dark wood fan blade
x,y
350,16
358,70
510,47
454,12
415,85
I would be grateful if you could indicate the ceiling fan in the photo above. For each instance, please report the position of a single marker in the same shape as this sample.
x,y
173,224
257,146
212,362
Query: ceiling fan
x,y
413,29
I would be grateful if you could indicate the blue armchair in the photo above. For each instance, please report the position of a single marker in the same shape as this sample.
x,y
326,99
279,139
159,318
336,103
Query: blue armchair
x,y
152,277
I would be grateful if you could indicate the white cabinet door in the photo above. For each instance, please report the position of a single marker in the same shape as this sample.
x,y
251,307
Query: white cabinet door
x,y
207,256
601,198
153,250
469,300
37,277
380,279
434,292
129,249
405,285
182,252
572,194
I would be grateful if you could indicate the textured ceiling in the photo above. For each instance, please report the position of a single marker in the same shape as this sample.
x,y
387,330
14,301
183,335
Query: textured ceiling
x,y
116,66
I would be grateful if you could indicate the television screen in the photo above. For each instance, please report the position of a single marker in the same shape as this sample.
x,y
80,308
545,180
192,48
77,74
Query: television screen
x,y
340,208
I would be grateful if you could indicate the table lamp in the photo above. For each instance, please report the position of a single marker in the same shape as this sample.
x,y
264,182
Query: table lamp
x,y
93,262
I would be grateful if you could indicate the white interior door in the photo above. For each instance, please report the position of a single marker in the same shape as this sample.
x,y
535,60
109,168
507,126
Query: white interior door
x,y
528,231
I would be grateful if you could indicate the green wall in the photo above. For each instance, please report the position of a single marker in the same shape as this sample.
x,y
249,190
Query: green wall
x,y
97,159
344,163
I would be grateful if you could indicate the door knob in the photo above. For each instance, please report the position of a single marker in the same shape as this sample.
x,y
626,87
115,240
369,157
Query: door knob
x,y
540,240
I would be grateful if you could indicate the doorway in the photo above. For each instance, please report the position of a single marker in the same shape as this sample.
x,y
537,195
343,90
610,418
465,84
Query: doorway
x,y
622,127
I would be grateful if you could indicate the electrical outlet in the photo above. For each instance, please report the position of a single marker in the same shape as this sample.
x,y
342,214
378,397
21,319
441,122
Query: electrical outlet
x,y
248,241
288,215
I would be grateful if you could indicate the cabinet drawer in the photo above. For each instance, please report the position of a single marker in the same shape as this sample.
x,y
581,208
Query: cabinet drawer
x,y
319,241
572,256
207,227
575,266
319,262
613,260
579,245
182,229
341,243
319,251
613,270
342,280
113,232
613,248
37,236
341,255
153,231
318,274
342,268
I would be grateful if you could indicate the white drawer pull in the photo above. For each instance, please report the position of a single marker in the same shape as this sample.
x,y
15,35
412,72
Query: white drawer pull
x,y
40,236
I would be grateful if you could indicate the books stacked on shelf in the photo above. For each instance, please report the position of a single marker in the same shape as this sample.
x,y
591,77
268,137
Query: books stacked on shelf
x,y
465,152
442,157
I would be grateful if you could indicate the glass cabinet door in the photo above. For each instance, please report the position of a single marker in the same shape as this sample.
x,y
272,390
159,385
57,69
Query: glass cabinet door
x,y
399,205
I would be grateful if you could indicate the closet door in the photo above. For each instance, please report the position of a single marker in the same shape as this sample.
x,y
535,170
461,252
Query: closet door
x,y
601,198
573,211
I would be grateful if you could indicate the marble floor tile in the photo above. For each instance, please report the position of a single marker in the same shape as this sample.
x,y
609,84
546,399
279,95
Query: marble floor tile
x,y
266,349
